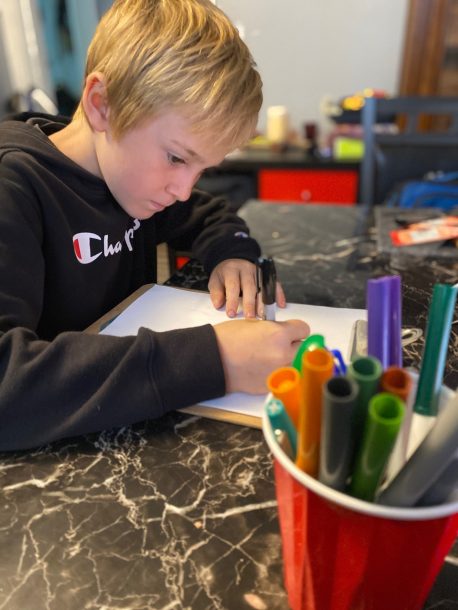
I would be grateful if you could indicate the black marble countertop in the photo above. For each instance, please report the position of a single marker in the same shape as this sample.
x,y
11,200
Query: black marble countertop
x,y
180,513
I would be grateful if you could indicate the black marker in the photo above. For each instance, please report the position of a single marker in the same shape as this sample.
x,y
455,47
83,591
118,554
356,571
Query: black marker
x,y
267,280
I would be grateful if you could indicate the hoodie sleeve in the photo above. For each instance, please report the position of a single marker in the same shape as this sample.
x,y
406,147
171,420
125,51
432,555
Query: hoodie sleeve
x,y
207,227
79,383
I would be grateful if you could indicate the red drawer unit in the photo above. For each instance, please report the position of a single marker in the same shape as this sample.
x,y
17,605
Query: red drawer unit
x,y
308,186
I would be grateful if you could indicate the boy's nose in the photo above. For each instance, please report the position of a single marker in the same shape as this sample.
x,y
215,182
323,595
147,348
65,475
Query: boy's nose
x,y
181,190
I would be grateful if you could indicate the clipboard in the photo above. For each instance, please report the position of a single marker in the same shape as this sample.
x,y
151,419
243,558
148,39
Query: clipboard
x,y
163,308
224,415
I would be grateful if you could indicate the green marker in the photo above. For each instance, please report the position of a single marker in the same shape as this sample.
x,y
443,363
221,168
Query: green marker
x,y
440,318
383,422
366,371
312,342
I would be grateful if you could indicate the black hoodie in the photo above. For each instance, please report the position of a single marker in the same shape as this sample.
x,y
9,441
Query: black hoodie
x,y
68,254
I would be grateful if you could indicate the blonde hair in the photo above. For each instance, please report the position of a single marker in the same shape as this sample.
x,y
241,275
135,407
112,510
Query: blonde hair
x,y
184,55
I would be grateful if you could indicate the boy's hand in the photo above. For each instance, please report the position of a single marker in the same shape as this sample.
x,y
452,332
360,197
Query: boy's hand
x,y
252,349
235,276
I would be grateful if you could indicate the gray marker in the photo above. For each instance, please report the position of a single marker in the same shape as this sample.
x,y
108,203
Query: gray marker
x,y
427,463
445,489
337,431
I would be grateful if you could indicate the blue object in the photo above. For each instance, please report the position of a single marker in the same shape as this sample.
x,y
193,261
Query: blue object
x,y
437,190
340,368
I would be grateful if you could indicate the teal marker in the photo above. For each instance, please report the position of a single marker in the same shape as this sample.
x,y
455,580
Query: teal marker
x,y
440,318
280,420
384,418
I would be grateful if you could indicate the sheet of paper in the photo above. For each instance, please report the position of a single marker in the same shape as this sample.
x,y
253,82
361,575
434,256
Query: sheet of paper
x,y
164,308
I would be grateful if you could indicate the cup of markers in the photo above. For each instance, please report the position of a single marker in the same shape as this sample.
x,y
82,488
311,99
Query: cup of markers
x,y
366,463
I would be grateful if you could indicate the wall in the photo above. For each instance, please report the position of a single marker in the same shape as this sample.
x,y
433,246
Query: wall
x,y
23,47
5,81
34,51
305,49
68,36
308,49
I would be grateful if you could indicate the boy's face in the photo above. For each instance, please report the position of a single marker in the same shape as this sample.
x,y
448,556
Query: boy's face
x,y
155,164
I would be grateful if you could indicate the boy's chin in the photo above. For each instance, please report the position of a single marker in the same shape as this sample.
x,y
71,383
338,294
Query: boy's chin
x,y
141,213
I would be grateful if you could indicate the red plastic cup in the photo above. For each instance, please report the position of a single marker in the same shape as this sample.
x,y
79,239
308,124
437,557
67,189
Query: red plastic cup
x,y
341,553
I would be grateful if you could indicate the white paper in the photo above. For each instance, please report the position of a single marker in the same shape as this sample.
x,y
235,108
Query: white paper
x,y
164,308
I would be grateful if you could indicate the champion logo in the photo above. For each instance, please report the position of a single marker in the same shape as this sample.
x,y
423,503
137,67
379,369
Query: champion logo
x,y
89,246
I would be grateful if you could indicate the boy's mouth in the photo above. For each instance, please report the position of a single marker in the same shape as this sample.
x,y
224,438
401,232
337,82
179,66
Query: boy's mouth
x,y
157,207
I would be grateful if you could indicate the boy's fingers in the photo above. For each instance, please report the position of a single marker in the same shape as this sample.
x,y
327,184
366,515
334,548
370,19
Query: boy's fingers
x,y
249,290
249,301
298,330
232,298
217,294
280,295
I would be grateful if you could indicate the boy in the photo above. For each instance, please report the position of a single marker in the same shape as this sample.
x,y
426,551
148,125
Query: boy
x,y
169,90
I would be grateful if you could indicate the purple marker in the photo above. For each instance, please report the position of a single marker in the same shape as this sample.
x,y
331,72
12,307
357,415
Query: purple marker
x,y
395,322
378,319
384,320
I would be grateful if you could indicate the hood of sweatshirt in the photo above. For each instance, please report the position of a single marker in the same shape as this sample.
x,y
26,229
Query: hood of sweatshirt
x,y
16,132
28,133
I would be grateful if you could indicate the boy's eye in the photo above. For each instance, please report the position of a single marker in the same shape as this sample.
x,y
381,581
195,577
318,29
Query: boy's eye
x,y
174,160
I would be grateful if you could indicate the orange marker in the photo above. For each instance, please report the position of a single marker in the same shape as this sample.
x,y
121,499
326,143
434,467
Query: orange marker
x,y
317,368
396,380
286,385
399,382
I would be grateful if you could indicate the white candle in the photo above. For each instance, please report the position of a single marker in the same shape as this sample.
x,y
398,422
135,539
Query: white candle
x,y
277,124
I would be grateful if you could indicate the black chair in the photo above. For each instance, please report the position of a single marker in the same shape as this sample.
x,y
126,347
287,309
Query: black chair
x,y
391,158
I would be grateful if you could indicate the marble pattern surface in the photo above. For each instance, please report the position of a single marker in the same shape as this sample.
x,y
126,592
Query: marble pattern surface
x,y
180,513
177,513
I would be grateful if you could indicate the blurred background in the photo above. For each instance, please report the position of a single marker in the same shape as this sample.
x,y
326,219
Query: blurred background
x,y
308,52
318,60
43,45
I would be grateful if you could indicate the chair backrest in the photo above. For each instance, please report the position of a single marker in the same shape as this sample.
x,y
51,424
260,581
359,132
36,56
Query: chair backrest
x,y
390,158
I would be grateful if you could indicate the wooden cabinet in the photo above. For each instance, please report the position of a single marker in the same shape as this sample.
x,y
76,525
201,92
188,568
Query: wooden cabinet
x,y
430,62
308,185
448,75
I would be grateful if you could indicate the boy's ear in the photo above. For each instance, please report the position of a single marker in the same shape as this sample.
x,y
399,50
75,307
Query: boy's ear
x,y
94,100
